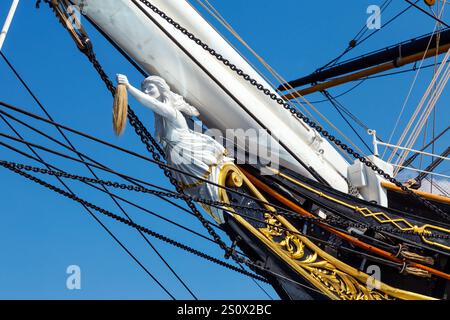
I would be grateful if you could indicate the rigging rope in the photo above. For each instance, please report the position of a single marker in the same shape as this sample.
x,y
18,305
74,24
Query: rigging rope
x,y
336,105
209,7
163,238
408,96
356,40
47,114
273,96
427,13
423,171
130,179
342,93
19,168
433,98
28,89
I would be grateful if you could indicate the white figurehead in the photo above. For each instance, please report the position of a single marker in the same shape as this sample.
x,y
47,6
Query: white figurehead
x,y
186,150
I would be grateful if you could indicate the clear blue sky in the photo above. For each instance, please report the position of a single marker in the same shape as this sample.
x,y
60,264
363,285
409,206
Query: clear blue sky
x,y
42,233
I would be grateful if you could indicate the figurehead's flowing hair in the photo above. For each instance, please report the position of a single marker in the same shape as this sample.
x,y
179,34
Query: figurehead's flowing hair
x,y
174,99
171,98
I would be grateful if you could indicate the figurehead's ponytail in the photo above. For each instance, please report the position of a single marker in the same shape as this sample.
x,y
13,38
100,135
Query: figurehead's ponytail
x,y
175,99
120,109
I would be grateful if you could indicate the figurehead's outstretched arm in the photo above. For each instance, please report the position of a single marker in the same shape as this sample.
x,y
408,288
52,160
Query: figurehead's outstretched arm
x,y
148,101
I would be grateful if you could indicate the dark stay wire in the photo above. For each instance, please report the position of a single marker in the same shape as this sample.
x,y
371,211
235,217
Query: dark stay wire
x,y
337,106
128,178
159,236
355,41
427,13
383,75
119,242
113,198
115,195
42,107
218,204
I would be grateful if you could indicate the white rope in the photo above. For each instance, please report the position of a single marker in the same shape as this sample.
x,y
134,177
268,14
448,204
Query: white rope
x,y
409,93
400,141
216,15
419,106
429,107
426,112
423,171
413,150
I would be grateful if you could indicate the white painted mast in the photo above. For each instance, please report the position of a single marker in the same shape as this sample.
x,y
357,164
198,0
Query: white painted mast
x,y
8,21
224,99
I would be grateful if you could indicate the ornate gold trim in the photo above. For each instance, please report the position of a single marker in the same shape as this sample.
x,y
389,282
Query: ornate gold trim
x,y
400,223
334,278
426,195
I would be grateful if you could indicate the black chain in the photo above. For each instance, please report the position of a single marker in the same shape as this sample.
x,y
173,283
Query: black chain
x,y
148,140
151,144
332,221
17,169
239,259
294,111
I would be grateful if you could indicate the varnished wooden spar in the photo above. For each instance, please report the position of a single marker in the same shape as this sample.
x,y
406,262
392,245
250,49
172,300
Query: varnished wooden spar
x,y
370,64
368,72
426,195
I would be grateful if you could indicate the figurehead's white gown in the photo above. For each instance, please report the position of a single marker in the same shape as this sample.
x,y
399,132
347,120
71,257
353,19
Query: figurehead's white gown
x,y
189,151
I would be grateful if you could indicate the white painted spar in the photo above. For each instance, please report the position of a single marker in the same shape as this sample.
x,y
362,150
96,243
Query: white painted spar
x,y
224,99
8,21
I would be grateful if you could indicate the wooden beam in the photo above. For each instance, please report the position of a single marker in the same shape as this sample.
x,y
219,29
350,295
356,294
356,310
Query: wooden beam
x,y
368,72
426,195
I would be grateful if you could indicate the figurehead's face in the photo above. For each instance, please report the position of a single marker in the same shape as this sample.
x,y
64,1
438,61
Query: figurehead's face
x,y
152,90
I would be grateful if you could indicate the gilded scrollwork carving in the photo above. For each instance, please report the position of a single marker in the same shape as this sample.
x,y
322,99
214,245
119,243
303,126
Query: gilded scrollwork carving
x,y
337,282
326,273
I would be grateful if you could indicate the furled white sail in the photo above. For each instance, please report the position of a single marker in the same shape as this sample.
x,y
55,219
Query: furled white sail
x,y
224,99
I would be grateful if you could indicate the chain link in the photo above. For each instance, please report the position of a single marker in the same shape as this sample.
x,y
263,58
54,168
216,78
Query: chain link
x,y
295,112
332,221
18,169
151,144
156,152
148,140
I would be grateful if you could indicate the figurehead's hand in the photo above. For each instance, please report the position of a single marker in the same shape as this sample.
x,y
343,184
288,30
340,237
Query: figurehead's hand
x,y
122,79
